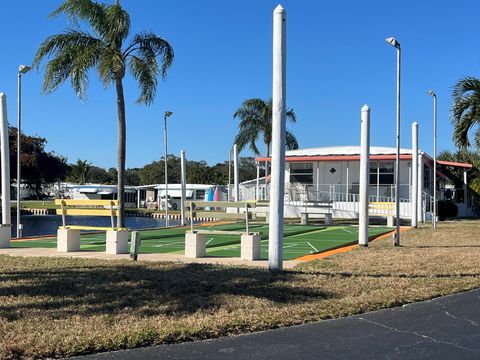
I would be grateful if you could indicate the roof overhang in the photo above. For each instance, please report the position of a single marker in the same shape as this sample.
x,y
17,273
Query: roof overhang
x,y
454,164
337,158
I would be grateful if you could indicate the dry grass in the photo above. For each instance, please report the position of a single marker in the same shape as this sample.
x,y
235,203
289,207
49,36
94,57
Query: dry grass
x,y
53,307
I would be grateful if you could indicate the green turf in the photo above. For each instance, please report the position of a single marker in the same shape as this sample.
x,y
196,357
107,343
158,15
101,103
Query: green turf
x,y
298,240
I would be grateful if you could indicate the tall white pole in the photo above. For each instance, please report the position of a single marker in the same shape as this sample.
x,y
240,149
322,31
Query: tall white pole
x,y
275,231
434,223
257,190
414,204
421,186
166,169
6,232
229,174
183,179
236,190
19,175
465,188
364,176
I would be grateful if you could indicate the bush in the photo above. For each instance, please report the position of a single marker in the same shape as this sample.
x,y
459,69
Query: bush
x,y
447,209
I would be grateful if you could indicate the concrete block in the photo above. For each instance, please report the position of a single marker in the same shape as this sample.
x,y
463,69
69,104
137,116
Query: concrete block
x,y
390,221
250,247
195,245
5,235
68,240
117,242
304,218
328,219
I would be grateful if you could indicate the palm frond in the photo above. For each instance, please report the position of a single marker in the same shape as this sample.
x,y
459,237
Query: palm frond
x,y
465,109
117,24
291,142
149,47
73,53
86,10
146,75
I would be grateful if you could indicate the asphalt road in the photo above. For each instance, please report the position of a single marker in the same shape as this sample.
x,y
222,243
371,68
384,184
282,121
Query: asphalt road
x,y
443,328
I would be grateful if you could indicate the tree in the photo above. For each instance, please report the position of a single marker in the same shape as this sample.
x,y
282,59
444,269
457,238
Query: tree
x,y
464,156
80,172
466,111
38,167
74,52
255,117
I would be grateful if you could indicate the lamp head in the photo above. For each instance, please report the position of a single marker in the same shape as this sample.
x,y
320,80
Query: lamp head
x,y
392,41
168,114
431,93
23,69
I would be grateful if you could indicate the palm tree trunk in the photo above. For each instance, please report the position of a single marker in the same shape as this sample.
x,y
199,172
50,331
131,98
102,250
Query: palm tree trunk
x,y
121,152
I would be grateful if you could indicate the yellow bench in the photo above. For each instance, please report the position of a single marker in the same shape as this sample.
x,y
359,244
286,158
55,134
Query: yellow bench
x,y
68,238
383,209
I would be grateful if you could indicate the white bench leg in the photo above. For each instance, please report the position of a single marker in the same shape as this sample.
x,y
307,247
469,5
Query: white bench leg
x,y
194,245
68,240
250,247
117,242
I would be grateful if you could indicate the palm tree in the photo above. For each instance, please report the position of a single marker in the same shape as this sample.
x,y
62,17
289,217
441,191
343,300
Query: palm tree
x,y
74,52
466,111
255,117
464,156
80,172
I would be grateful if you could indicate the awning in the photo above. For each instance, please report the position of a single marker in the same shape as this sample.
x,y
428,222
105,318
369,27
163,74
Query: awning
x,y
175,193
90,190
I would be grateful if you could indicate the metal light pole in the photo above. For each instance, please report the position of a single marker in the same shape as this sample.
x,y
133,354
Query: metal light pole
x,y
22,69
364,176
434,219
396,240
166,115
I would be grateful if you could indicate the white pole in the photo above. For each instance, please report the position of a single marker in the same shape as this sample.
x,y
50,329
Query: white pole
x,y
434,223
257,190
183,180
236,190
166,169
364,176
5,158
229,174
421,186
414,204
346,190
275,231
19,175
396,241
465,188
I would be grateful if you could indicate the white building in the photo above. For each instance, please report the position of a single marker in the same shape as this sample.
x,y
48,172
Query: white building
x,y
332,173
101,192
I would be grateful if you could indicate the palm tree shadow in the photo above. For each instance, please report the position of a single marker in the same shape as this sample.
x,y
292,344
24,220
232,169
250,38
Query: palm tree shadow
x,y
145,289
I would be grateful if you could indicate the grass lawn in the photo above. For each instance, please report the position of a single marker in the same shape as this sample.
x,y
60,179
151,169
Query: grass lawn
x,y
53,307
299,240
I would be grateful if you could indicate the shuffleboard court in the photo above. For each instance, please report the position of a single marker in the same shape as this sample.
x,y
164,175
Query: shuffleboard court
x,y
298,240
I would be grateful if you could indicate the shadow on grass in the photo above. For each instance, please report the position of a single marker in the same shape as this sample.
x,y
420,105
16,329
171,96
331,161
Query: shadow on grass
x,y
142,289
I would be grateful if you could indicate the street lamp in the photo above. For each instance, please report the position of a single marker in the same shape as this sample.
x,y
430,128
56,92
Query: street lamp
x,y
434,220
22,69
166,115
396,239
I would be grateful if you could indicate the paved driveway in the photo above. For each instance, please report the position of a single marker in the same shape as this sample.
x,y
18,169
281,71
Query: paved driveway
x,y
443,328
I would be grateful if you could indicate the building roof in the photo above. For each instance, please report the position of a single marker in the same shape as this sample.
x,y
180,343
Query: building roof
x,y
345,150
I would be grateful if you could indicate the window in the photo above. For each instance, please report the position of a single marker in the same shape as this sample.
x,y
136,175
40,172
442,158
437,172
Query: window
x,y
384,171
301,173
200,195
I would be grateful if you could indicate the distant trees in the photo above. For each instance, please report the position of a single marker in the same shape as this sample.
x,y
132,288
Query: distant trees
x,y
39,167
464,156
80,172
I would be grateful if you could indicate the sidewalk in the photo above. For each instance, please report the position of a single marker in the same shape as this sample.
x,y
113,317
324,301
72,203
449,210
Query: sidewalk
x,y
443,328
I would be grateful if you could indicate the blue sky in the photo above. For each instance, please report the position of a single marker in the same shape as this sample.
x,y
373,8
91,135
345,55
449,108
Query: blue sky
x,y
337,60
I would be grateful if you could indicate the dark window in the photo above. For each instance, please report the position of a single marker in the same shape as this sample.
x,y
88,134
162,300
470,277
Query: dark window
x,y
383,171
301,173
